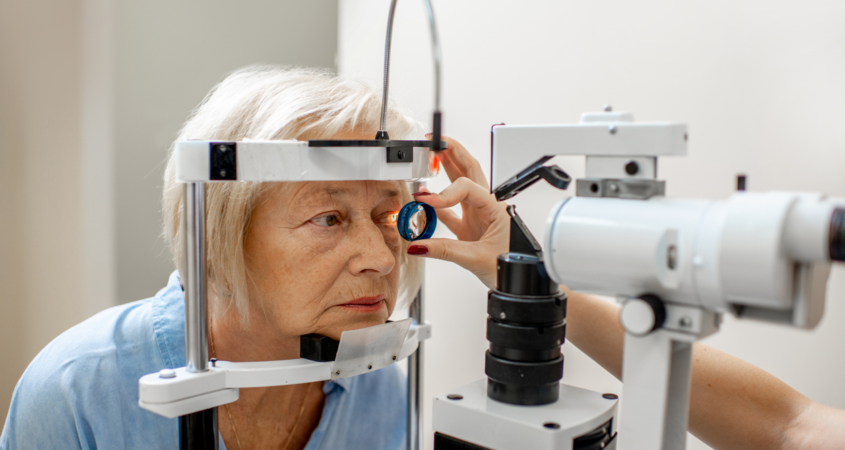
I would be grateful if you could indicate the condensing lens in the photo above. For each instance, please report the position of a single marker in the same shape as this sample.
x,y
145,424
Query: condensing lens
x,y
416,221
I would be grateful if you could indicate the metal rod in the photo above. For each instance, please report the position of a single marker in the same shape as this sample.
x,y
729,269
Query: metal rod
x,y
196,308
414,435
435,50
415,377
389,37
197,431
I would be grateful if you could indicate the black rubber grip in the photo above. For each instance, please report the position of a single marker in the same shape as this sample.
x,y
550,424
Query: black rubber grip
x,y
523,373
837,235
526,310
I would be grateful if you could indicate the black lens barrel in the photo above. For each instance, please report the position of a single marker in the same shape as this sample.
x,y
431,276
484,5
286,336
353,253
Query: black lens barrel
x,y
837,235
526,328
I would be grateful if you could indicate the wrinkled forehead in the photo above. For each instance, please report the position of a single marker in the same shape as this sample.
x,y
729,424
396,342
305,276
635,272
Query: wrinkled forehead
x,y
307,192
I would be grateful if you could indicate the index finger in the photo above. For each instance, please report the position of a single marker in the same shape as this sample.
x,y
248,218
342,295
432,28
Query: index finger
x,y
459,162
464,191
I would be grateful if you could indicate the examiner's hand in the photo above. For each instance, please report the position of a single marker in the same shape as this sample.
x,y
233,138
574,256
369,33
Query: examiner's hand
x,y
483,229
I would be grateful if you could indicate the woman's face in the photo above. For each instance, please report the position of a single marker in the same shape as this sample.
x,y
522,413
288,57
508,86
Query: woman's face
x,y
322,257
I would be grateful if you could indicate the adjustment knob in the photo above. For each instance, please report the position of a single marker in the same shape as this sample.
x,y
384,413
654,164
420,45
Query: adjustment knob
x,y
641,316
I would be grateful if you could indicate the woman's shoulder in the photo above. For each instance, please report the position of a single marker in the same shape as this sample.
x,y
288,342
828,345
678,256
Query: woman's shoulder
x,y
87,376
125,336
111,334
92,356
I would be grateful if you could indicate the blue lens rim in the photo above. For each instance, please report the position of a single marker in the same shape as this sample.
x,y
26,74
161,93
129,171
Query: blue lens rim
x,y
404,225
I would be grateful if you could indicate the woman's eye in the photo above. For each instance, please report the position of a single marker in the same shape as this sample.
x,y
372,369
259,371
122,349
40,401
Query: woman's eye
x,y
388,218
328,220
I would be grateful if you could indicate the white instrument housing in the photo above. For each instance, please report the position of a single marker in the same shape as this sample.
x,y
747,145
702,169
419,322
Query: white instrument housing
x,y
760,255
609,139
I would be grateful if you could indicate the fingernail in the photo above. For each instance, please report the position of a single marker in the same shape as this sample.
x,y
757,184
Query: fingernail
x,y
428,135
418,250
420,194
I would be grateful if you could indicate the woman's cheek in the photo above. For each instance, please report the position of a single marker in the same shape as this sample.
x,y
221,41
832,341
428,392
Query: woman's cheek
x,y
321,239
392,239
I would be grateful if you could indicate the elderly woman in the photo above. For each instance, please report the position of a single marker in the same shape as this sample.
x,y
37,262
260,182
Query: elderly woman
x,y
284,259
287,259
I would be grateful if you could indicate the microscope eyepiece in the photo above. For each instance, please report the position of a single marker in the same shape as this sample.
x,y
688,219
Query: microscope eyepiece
x,y
837,235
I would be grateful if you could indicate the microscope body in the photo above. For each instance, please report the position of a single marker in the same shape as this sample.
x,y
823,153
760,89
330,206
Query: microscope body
x,y
674,265
757,255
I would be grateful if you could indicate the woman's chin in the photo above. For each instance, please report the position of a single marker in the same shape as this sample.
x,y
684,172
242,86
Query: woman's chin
x,y
347,319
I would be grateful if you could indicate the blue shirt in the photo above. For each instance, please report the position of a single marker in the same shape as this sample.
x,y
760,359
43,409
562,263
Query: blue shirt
x,y
81,391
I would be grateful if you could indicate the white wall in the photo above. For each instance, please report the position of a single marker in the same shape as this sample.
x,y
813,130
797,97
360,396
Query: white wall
x,y
760,83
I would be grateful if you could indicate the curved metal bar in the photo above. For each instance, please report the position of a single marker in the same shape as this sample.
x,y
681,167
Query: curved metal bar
x,y
435,48
387,65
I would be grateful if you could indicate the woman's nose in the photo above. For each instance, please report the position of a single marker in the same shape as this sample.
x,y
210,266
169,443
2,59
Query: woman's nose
x,y
371,252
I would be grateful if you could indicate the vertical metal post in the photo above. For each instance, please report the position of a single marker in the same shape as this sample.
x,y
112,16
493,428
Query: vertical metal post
x,y
196,322
414,436
656,372
415,377
197,430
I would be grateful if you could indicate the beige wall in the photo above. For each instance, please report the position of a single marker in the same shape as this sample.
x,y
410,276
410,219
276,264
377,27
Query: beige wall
x,y
40,189
761,84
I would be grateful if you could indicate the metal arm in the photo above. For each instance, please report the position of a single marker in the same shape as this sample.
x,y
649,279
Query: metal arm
x,y
435,50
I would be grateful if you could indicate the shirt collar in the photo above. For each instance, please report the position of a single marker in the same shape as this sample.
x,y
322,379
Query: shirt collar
x,y
168,309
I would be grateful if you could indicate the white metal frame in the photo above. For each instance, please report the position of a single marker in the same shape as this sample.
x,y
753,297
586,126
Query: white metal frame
x,y
173,393
609,137
296,161
466,413
197,387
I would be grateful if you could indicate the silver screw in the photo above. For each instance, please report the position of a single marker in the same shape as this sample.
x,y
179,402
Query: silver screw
x,y
502,315
167,373
614,188
612,129
685,322
607,108
223,173
558,342
222,149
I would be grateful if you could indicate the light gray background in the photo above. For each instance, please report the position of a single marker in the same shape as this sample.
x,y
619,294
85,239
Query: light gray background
x,y
761,85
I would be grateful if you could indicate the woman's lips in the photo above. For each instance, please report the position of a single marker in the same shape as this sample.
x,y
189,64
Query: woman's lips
x,y
365,304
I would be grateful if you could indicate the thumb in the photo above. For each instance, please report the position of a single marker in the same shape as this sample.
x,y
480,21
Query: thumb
x,y
471,255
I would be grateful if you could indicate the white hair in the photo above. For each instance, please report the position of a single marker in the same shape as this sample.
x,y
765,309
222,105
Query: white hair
x,y
272,103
